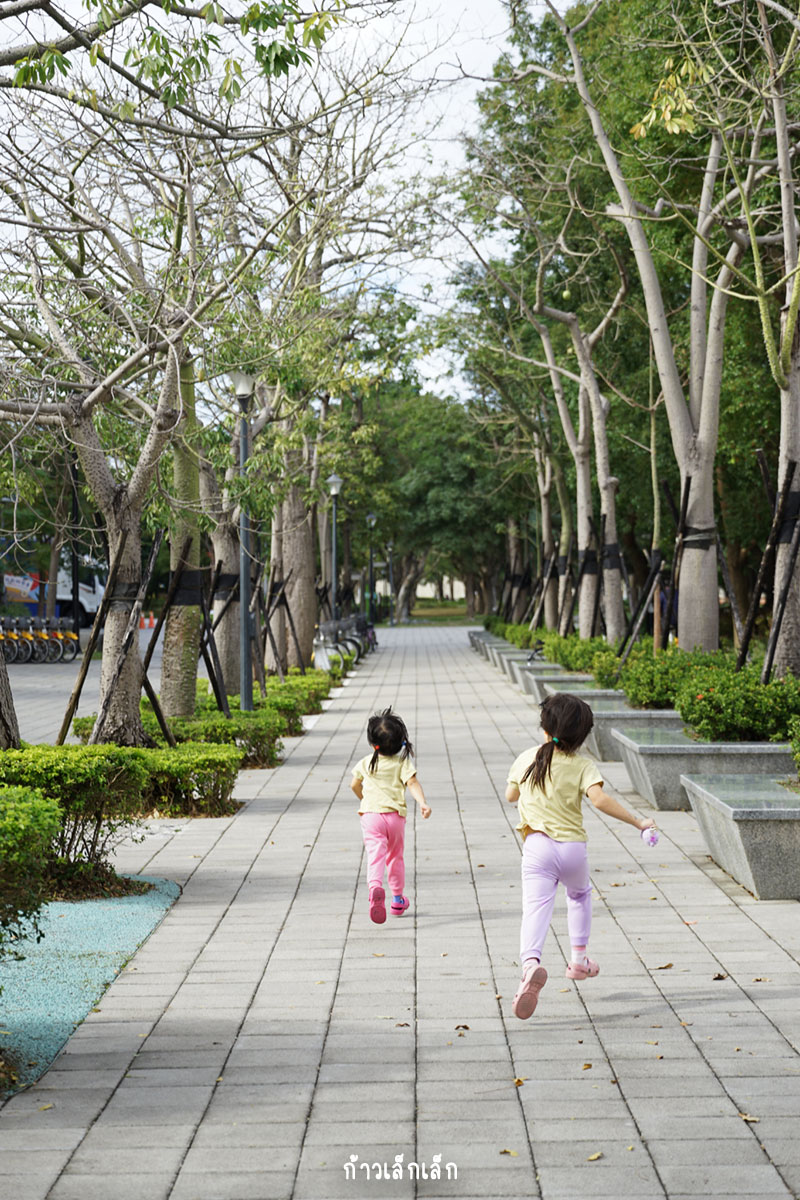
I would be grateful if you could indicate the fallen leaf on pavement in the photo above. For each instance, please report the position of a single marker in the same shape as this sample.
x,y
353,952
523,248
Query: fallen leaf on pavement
x,y
520,1080
462,1026
690,922
719,975
749,1119
629,1147
652,1043
44,1107
374,955
594,1157
666,967
586,1067
513,1153
402,1025
761,979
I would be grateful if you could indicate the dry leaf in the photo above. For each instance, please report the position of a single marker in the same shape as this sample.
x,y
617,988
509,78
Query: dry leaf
x,y
594,1157
629,1147
612,1081
653,897
737,1048
448,1043
666,967
761,979
750,1120
402,1025
513,1153
317,982
219,1079
44,1107
690,922
443,955
462,1035
719,975
685,1023
481,864
618,885
586,1067
652,1043
462,1026
659,1056
498,996
520,1080
374,955
565,989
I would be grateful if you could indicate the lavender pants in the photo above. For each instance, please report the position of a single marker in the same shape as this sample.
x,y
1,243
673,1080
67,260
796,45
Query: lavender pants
x,y
546,864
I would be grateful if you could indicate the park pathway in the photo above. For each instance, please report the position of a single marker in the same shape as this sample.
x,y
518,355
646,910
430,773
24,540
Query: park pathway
x,y
267,1032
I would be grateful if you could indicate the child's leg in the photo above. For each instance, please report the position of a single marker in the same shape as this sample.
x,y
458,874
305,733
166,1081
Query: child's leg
x,y
376,842
539,884
395,864
575,877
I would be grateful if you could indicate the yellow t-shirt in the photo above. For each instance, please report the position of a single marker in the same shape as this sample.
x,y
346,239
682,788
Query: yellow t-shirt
x,y
385,787
554,807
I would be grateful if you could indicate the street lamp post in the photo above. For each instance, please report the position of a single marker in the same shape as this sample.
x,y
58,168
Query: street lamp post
x,y
371,522
390,548
244,386
334,486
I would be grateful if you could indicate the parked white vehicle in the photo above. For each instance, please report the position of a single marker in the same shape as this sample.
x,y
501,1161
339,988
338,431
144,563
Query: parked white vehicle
x,y
25,589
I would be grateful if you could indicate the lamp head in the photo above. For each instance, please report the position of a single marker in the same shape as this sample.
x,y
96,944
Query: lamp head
x,y
243,384
334,483
372,520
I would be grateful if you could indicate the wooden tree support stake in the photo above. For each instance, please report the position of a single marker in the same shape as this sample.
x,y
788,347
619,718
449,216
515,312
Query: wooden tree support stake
x,y
208,648
726,580
676,560
780,607
171,590
94,637
548,575
777,521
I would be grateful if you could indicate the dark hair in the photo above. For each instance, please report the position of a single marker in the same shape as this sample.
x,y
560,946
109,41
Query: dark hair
x,y
387,734
568,720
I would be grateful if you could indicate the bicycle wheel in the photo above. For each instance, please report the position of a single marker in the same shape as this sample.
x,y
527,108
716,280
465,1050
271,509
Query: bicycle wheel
x,y
55,650
24,650
69,648
9,649
38,650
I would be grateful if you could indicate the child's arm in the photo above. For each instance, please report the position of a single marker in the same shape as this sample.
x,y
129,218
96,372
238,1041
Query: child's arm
x,y
512,793
612,808
415,787
357,786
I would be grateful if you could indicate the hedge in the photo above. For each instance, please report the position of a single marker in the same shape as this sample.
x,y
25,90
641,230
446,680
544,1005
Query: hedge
x,y
256,734
723,705
794,736
654,682
29,823
192,780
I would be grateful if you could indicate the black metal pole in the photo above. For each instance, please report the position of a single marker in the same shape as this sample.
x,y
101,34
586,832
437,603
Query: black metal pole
x,y
333,561
371,581
76,580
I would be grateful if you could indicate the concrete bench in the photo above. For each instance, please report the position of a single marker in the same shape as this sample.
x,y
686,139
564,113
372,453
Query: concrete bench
x,y
751,824
591,691
520,671
655,759
537,682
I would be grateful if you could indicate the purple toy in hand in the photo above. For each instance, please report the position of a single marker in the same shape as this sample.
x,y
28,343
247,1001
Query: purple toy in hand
x,y
650,836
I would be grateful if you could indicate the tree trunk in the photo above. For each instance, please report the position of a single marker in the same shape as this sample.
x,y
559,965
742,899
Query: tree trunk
x,y
9,728
550,608
787,654
414,568
123,724
299,564
184,621
698,623
589,581
469,589
275,656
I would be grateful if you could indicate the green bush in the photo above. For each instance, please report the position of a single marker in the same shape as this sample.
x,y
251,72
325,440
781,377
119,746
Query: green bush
x,y
99,789
729,706
29,823
257,734
572,652
794,735
192,780
654,682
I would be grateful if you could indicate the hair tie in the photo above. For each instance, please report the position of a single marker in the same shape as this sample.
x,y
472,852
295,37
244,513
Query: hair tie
x,y
375,747
555,739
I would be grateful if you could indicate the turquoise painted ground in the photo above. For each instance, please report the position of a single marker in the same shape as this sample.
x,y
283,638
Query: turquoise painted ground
x,y
62,977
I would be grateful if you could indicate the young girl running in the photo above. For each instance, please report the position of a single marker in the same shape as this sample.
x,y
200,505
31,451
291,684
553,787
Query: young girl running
x,y
380,781
550,784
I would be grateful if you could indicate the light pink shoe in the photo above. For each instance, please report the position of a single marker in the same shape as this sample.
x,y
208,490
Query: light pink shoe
x,y
377,905
533,980
399,909
585,970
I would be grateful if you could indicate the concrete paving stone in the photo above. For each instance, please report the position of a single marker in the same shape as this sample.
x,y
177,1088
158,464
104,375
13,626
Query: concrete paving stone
x,y
230,1110
351,1134
597,1179
138,1186
240,1160
26,1186
463,1071
692,1127
48,1163
480,1182
343,1073
140,1136
255,1134
674,1153
721,1180
272,1185
125,1160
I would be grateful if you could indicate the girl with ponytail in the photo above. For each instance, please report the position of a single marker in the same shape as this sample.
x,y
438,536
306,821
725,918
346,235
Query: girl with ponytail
x,y
549,785
380,781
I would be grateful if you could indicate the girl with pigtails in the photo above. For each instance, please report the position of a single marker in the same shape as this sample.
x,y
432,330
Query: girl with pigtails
x,y
380,781
549,784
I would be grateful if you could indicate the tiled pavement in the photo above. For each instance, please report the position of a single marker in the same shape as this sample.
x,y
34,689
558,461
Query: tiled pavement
x,y
267,1032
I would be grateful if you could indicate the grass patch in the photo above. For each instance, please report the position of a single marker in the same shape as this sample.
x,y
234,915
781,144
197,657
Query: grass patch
x,y
442,612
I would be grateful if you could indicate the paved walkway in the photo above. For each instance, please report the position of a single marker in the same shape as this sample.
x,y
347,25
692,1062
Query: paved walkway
x,y
267,1032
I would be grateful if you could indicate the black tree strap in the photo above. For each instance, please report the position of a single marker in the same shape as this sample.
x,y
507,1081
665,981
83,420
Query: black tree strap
x,y
226,582
123,596
700,538
561,564
587,561
611,557
187,593
790,516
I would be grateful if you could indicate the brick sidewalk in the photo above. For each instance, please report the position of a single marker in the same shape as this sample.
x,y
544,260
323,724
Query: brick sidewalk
x,y
267,1031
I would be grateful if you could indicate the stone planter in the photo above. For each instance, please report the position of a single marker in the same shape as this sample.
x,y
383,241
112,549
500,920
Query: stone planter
x,y
656,758
752,828
590,692
614,714
536,682
521,670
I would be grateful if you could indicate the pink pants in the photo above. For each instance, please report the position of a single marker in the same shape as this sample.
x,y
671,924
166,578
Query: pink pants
x,y
545,864
384,837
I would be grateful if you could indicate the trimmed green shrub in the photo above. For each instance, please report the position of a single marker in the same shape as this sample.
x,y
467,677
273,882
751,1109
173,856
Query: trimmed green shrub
x,y
29,823
654,682
572,652
192,780
257,734
99,789
729,706
794,735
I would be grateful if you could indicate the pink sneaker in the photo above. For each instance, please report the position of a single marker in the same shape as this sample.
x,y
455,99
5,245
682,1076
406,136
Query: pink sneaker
x,y
585,970
533,980
377,905
399,909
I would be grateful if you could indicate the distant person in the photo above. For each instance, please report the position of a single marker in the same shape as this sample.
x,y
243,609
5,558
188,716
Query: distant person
x,y
549,783
380,781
